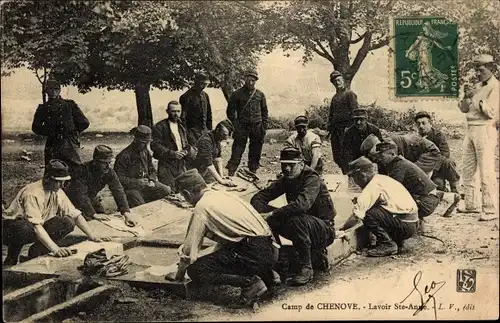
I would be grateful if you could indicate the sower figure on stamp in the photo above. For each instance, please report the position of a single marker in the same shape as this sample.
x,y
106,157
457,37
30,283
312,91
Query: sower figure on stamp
x,y
134,167
308,218
308,143
61,121
208,160
417,183
245,252
196,109
247,110
356,133
340,118
90,179
385,206
43,214
481,105
170,146
447,171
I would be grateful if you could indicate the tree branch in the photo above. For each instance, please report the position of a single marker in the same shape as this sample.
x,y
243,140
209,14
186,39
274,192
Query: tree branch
x,y
381,43
39,77
361,55
327,55
355,41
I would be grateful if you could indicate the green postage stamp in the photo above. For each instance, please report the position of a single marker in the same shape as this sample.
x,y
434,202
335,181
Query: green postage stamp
x,y
426,57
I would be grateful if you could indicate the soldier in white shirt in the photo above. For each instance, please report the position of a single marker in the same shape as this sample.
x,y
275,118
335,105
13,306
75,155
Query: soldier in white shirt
x,y
308,143
481,107
385,206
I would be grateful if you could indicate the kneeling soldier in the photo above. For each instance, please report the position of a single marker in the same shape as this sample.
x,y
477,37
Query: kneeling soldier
x,y
134,167
245,252
385,207
307,219
308,143
43,214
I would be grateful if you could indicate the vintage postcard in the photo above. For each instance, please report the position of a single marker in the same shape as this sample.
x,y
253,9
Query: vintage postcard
x,y
250,160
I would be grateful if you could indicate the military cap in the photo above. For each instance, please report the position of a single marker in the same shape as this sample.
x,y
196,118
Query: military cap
x,y
202,76
143,133
385,145
103,153
360,164
188,180
52,84
290,155
368,144
483,59
360,113
252,73
334,75
58,170
301,121
227,124
422,114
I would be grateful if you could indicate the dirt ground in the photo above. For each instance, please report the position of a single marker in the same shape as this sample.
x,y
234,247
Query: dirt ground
x,y
467,241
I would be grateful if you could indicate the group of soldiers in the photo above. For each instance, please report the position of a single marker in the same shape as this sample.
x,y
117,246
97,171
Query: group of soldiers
x,y
402,179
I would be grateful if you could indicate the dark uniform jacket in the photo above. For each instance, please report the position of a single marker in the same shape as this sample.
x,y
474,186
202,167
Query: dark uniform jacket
x,y
306,194
410,175
418,150
87,182
341,107
255,111
132,165
164,145
61,121
353,139
196,110
439,139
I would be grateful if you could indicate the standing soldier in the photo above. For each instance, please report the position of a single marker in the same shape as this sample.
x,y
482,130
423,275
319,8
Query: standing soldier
x,y
480,106
247,110
340,118
61,121
196,109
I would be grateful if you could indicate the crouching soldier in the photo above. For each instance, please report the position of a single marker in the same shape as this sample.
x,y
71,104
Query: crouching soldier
x,y
307,219
134,167
90,179
245,252
385,207
308,143
43,214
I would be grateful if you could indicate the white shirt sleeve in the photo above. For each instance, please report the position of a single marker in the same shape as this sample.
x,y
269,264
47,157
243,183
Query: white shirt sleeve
x,y
368,197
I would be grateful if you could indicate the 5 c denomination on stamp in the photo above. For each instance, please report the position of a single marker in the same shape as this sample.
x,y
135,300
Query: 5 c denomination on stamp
x,y
426,57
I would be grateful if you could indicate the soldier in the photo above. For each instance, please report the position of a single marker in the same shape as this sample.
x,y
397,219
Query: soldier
x,y
308,143
43,214
385,206
356,133
196,109
340,118
134,167
480,106
61,121
247,110
447,171
170,146
90,179
308,218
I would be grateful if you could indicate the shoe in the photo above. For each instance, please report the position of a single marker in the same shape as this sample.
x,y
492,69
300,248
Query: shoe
x,y
9,262
459,210
453,206
304,276
231,173
384,249
252,293
488,216
319,259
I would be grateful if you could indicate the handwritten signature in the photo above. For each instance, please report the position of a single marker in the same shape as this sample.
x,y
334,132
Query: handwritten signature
x,y
429,291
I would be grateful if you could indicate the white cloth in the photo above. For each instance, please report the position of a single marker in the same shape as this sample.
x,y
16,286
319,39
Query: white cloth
x,y
389,194
174,127
37,206
119,224
306,144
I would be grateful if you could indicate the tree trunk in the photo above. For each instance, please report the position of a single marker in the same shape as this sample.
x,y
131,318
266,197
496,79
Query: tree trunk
x,y
143,102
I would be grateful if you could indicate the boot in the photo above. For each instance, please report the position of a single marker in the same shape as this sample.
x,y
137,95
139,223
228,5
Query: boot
x,y
10,261
400,244
384,249
12,258
319,259
304,276
252,293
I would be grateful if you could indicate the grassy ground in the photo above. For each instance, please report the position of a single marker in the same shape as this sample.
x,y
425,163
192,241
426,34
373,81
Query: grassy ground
x,y
158,305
